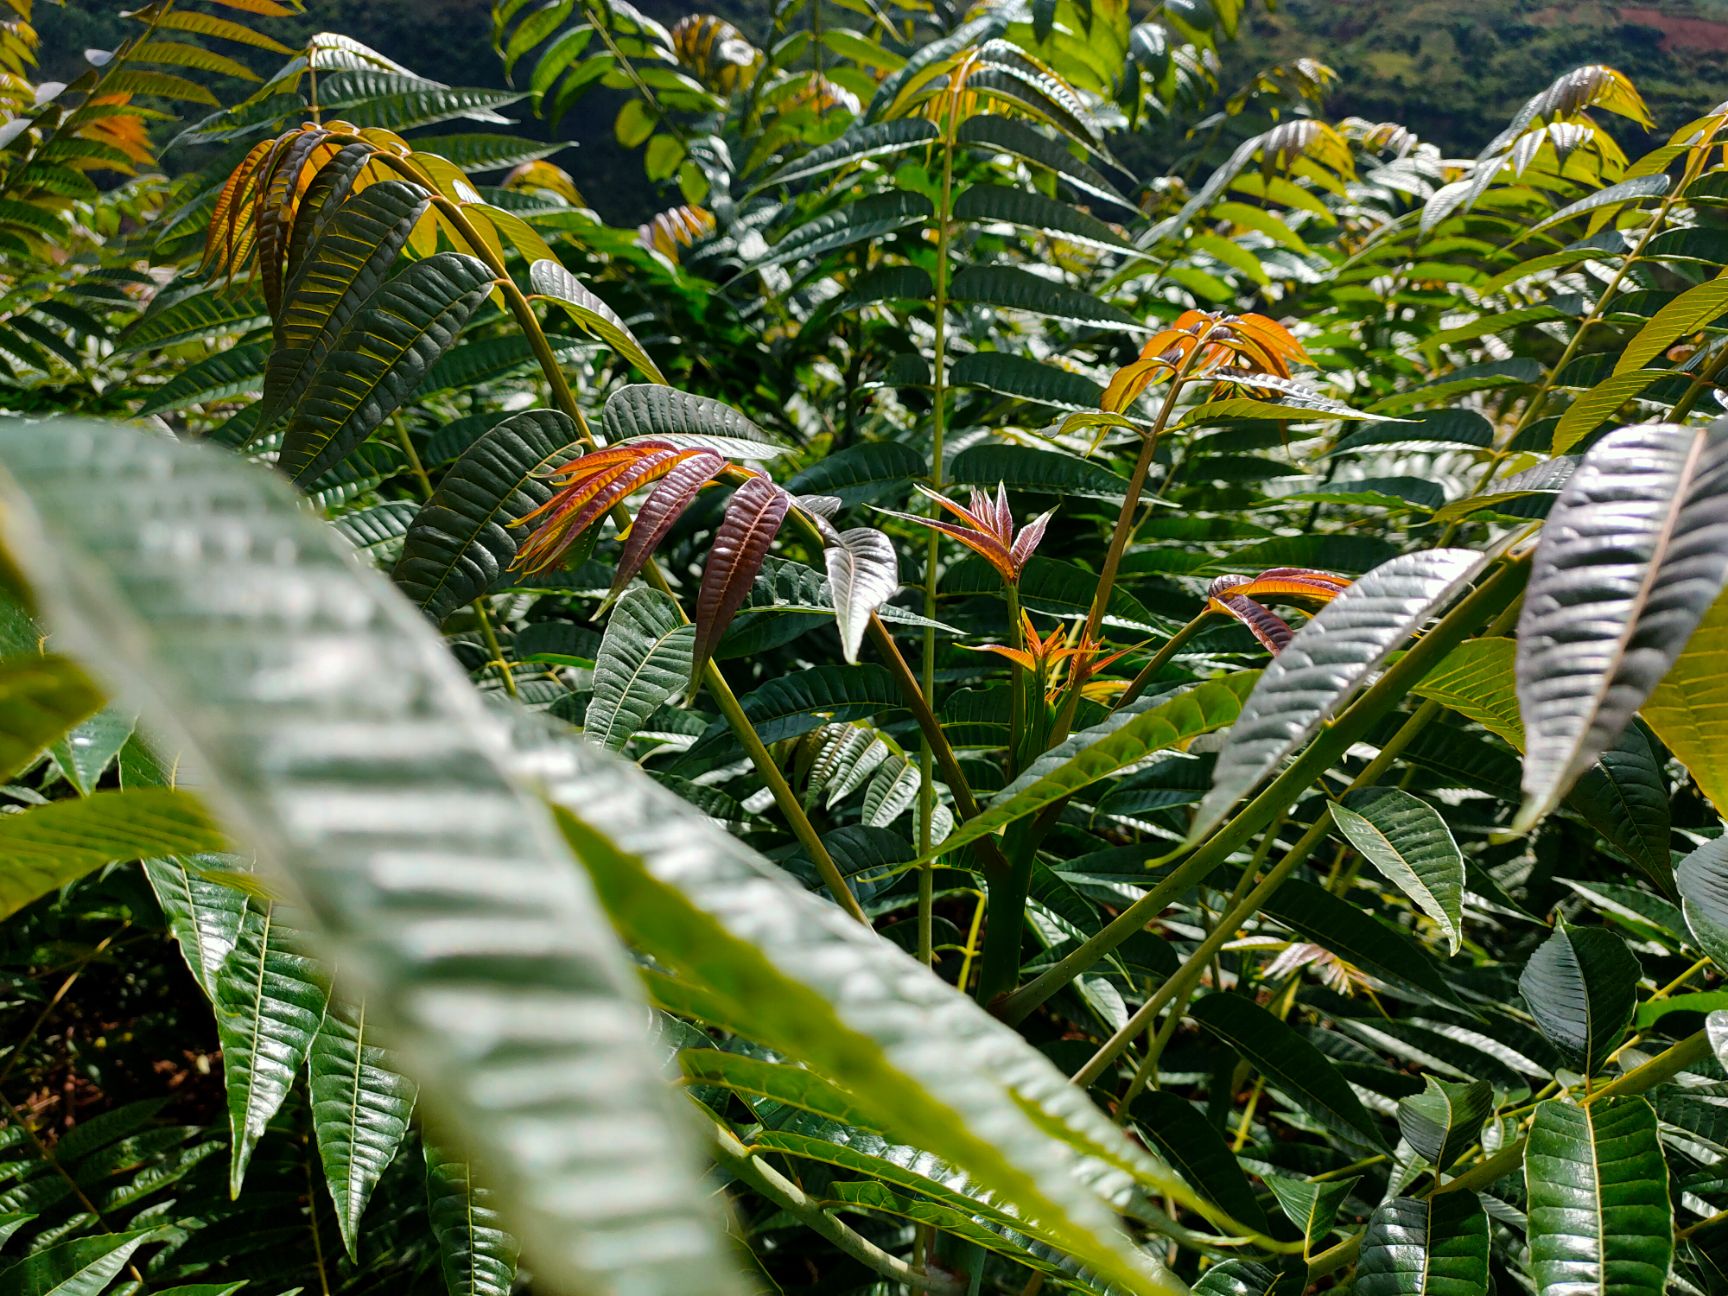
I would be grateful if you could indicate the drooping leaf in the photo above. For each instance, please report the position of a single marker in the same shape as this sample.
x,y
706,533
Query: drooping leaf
x,y
1598,1198
1425,1246
41,697
378,360
1634,552
1358,938
1311,1206
801,976
205,915
50,845
1196,1148
863,574
342,271
1091,755
1329,659
753,518
1580,985
1406,839
85,752
592,315
81,1267
269,1004
1475,679
1289,1063
330,723
1702,880
476,1255
860,143
665,504
1445,1119
644,662
1686,313
360,1110
1689,708
460,541
1013,289
1624,797
647,410
998,204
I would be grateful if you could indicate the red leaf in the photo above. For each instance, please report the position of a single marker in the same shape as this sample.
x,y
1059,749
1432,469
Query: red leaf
x,y
1269,628
753,519
663,507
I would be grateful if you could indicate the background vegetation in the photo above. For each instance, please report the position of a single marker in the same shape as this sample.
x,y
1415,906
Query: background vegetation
x,y
1077,661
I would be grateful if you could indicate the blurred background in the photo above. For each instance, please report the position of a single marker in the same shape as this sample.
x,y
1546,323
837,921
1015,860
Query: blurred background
x,y
1451,72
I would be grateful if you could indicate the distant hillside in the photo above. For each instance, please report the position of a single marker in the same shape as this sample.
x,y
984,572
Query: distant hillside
x,y
1452,72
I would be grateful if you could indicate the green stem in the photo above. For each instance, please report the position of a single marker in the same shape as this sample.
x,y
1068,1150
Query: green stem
x,y
1162,658
1332,742
721,691
751,1169
1664,1066
932,548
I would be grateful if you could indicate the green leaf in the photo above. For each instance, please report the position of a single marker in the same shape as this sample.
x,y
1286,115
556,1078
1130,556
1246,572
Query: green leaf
x,y
475,1254
41,697
360,1110
204,915
1580,986
801,977
1431,1246
341,273
1595,407
1197,1149
867,218
461,542
211,312
1624,797
1475,680
83,1267
1093,755
997,204
1310,1206
1634,552
1687,313
1716,1027
1702,880
1357,937
343,742
691,422
47,846
644,663
89,748
795,703
1320,670
1251,1278
593,316
1013,289
378,360
269,1003
863,574
1689,709
1025,379
1445,1119
1409,843
1029,468
1598,1198
993,134
878,139
1289,1063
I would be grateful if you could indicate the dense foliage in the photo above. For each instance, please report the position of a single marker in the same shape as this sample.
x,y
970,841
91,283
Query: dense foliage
x,y
942,716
